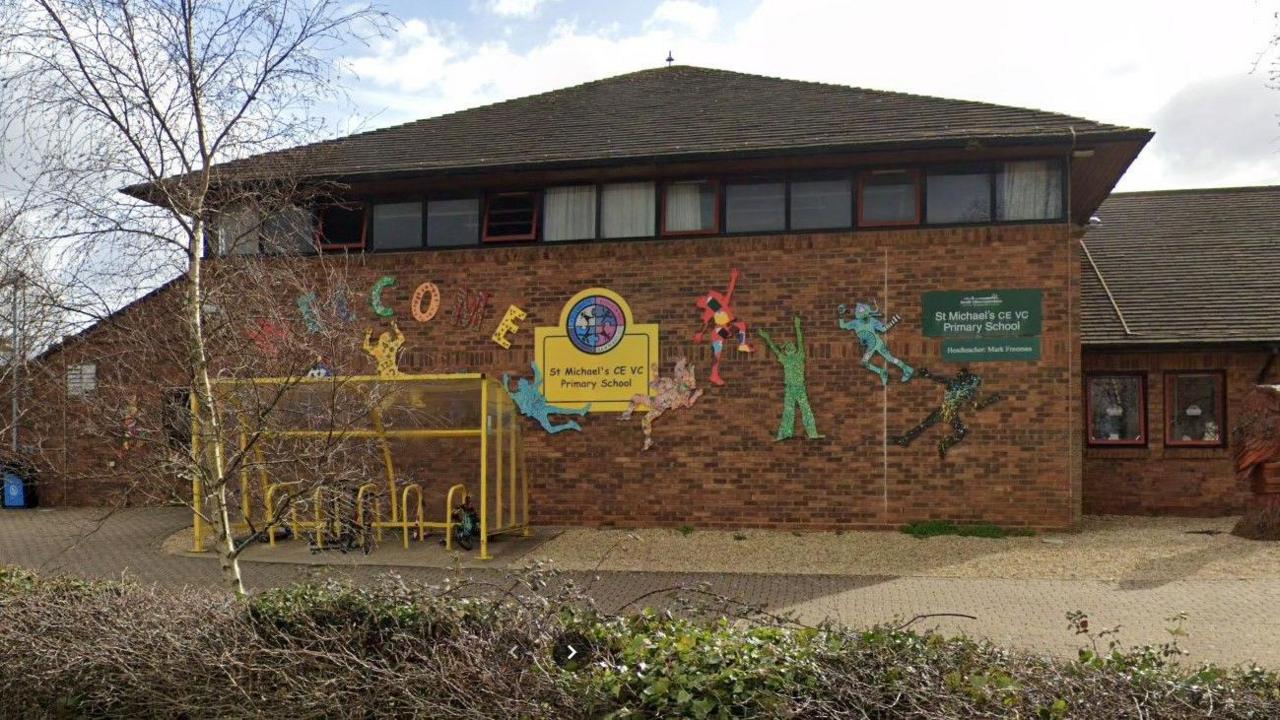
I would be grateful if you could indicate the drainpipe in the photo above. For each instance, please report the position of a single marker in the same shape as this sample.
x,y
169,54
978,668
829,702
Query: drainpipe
x,y
15,355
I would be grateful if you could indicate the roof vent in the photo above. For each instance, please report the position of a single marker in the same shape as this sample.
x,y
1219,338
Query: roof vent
x,y
1094,221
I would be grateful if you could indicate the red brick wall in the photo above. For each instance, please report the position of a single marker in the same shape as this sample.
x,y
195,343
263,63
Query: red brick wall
x,y
1159,480
717,463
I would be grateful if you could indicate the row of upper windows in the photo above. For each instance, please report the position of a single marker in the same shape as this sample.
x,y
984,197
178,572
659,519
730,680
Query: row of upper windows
x,y
1019,191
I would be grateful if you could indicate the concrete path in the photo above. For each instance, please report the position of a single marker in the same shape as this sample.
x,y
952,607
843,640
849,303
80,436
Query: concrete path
x,y
1229,621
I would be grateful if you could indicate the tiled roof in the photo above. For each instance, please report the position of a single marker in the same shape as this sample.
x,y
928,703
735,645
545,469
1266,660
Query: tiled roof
x,y
1184,266
682,112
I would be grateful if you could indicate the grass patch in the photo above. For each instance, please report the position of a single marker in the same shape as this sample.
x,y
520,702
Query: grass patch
x,y
934,528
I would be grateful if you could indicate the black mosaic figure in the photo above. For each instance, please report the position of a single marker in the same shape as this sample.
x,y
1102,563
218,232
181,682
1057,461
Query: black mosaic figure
x,y
961,390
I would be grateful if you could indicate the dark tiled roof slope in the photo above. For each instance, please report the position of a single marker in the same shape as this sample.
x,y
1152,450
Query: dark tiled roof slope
x,y
681,111
1185,266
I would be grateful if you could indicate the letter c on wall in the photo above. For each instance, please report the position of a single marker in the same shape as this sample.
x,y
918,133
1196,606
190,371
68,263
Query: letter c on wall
x,y
375,296
432,307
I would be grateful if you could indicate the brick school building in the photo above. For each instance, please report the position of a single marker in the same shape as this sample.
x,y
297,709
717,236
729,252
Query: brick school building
x,y
912,280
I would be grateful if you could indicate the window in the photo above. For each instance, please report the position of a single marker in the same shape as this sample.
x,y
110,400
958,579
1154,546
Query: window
x,y
453,223
177,417
819,204
889,197
397,226
569,213
1029,190
689,206
511,216
341,226
1194,409
290,229
82,380
1117,408
755,207
957,196
236,232
627,210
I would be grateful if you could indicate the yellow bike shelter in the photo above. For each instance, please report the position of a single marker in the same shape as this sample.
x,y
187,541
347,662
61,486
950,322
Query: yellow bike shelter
x,y
451,425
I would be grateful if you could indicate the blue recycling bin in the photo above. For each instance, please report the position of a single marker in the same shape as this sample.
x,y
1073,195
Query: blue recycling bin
x,y
18,492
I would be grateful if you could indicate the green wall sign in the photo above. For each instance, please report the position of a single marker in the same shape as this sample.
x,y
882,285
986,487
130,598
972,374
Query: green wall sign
x,y
974,314
992,350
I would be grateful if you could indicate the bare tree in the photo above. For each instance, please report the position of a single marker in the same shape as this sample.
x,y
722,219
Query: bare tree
x,y
156,96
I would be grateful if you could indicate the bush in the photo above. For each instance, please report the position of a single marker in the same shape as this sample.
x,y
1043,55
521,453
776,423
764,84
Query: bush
x,y
536,648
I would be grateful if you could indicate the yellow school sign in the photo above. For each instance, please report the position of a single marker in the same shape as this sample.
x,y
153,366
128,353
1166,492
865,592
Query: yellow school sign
x,y
596,354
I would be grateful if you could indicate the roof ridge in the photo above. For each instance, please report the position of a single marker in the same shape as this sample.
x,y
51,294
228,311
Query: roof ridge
x,y
1191,191
697,68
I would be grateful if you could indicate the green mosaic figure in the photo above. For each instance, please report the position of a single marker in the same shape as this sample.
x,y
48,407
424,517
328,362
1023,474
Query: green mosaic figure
x,y
796,395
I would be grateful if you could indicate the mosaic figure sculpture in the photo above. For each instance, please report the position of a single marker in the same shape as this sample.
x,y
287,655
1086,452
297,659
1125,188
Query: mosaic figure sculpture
x,y
716,309
867,323
665,393
796,394
533,403
961,392
386,352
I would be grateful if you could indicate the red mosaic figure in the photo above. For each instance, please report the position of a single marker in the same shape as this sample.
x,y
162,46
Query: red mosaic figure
x,y
716,309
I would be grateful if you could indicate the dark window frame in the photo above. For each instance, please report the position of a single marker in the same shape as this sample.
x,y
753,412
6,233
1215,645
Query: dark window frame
x,y
983,167
1064,191
1143,401
446,197
716,211
917,174
657,183
727,180
536,198
819,176
397,200
1170,378
366,217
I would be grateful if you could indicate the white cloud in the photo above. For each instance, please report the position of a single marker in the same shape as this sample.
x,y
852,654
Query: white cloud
x,y
1128,69
685,14
514,8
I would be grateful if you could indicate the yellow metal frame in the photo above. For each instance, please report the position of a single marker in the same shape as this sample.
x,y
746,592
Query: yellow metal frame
x,y
510,472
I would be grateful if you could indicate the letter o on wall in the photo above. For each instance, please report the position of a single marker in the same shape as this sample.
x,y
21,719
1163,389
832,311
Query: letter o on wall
x,y
432,307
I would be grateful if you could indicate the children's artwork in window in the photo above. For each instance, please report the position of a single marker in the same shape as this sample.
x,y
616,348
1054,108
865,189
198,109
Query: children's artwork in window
x,y
1117,410
1193,409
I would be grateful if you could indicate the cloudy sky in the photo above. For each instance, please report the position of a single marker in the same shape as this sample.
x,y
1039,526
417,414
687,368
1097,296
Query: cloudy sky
x,y
1196,73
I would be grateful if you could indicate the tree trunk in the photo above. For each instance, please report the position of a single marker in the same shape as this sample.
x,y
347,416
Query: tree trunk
x,y
211,418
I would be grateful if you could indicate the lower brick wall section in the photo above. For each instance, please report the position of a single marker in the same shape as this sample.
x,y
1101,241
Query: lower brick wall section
x,y
1159,480
717,464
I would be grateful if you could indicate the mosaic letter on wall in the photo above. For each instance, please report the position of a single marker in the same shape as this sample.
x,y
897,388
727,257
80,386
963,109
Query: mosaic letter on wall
x,y
533,403
508,325
386,352
375,296
665,393
716,310
469,307
433,306
868,325
267,337
306,306
796,394
961,392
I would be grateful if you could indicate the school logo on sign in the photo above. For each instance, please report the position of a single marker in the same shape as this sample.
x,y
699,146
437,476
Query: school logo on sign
x,y
596,354
596,324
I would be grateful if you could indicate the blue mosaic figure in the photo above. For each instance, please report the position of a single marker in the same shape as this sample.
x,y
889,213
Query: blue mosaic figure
x,y
533,403
870,329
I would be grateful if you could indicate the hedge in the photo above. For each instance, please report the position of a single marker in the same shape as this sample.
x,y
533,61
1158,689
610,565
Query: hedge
x,y
537,648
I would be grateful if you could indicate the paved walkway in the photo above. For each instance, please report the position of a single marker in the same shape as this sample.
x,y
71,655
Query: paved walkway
x,y
1230,621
